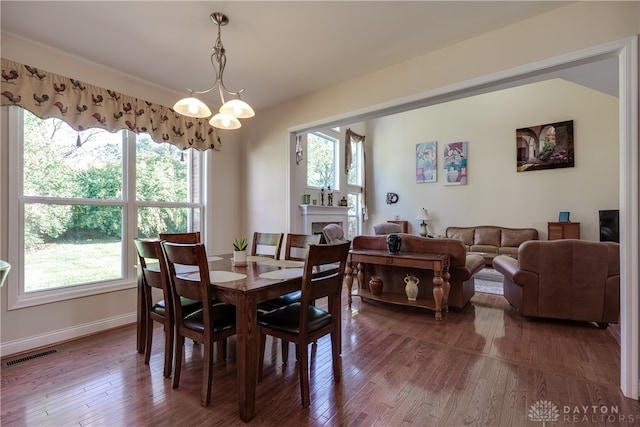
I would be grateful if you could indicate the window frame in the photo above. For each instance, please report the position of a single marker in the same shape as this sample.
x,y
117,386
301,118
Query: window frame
x,y
328,134
357,189
17,297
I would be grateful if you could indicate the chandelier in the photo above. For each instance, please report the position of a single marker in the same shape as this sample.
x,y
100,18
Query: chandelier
x,y
230,111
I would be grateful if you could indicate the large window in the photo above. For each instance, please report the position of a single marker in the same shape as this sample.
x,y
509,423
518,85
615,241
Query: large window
x,y
77,200
322,160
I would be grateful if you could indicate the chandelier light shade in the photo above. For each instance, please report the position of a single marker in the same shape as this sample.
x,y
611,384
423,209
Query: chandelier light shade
x,y
423,215
192,107
230,111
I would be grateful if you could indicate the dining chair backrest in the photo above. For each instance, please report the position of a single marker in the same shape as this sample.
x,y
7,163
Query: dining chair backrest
x,y
267,244
181,283
153,270
191,237
152,273
297,244
329,282
203,326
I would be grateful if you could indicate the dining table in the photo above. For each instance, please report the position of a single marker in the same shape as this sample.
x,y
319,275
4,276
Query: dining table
x,y
246,286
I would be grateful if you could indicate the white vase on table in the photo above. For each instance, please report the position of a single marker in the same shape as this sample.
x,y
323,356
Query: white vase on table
x,y
239,258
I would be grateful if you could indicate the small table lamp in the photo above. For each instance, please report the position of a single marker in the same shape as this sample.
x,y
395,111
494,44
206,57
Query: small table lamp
x,y
423,215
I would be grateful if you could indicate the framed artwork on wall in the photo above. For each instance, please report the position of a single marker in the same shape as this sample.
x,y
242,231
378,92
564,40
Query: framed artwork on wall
x,y
455,163
547,146
426,162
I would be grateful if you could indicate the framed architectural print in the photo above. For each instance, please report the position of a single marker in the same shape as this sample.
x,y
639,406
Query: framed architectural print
x,y
547,146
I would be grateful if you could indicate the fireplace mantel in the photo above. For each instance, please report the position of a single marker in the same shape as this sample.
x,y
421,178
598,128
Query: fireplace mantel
x,y
323,214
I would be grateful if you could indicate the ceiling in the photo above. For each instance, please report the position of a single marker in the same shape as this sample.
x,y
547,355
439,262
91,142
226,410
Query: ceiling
x,y
276,51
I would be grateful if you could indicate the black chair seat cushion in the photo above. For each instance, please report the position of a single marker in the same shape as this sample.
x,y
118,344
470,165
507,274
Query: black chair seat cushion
x,y
188,306
287,299
287,319
224,317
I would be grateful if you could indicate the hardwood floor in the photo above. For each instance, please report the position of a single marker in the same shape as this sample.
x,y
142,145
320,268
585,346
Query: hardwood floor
x,y
482,366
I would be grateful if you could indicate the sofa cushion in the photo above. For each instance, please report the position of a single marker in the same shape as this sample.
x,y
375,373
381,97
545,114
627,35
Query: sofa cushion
x,y
489,236
512,238
465,235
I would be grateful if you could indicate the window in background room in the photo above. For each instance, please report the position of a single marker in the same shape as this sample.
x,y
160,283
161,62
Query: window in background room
x,y
322,159
75,205
355,189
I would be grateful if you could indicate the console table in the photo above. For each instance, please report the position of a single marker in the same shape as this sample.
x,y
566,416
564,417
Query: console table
x,y
395,294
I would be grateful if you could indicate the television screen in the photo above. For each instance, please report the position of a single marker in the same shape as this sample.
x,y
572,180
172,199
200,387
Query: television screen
x,y
609,229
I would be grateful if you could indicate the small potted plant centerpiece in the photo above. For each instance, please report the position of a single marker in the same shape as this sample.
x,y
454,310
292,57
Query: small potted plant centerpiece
x,y
240,252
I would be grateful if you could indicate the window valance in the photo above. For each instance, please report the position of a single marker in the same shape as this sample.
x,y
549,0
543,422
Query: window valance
x,y
85,106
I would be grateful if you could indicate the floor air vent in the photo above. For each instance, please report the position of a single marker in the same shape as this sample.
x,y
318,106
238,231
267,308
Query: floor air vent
x,y
30,357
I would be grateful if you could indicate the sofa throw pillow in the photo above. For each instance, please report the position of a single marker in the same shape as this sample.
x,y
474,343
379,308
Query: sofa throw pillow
x,y
463,234
514,238
489,236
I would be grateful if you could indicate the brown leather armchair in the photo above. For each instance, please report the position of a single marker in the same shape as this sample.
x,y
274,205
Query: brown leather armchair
x,y
564,279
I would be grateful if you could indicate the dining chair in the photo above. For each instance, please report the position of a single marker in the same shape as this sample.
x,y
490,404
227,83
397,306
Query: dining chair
x,y
302,322
295,250
190,237
216,321
267,244
152,273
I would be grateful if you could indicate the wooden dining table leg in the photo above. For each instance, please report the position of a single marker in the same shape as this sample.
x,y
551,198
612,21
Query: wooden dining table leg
x,y
248,341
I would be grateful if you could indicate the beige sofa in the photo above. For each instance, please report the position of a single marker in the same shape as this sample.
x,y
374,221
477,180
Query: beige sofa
x,y
492,240
462,266
564,279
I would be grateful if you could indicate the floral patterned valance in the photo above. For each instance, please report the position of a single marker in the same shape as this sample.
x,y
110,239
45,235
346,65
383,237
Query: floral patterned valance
x,y
85,106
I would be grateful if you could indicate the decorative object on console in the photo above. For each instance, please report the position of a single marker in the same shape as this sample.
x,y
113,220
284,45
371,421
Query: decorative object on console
x,y
375,285
394,243
546,146
423,215
392,198
563,217
426,162
411,287
230,111
455,163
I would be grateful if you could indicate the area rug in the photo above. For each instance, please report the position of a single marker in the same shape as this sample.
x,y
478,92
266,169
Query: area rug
x,y
488,281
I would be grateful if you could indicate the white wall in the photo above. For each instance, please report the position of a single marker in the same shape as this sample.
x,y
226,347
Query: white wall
x,y
568,29
496,194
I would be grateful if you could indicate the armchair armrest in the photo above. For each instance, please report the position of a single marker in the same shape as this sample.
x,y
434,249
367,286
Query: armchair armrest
x,y
506,265
473,264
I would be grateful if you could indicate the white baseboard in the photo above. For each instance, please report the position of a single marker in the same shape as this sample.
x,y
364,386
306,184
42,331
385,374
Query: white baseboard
x,y
51,338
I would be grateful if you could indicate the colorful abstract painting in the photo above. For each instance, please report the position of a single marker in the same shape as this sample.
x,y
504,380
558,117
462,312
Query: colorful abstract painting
x,y
426,162
455,163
